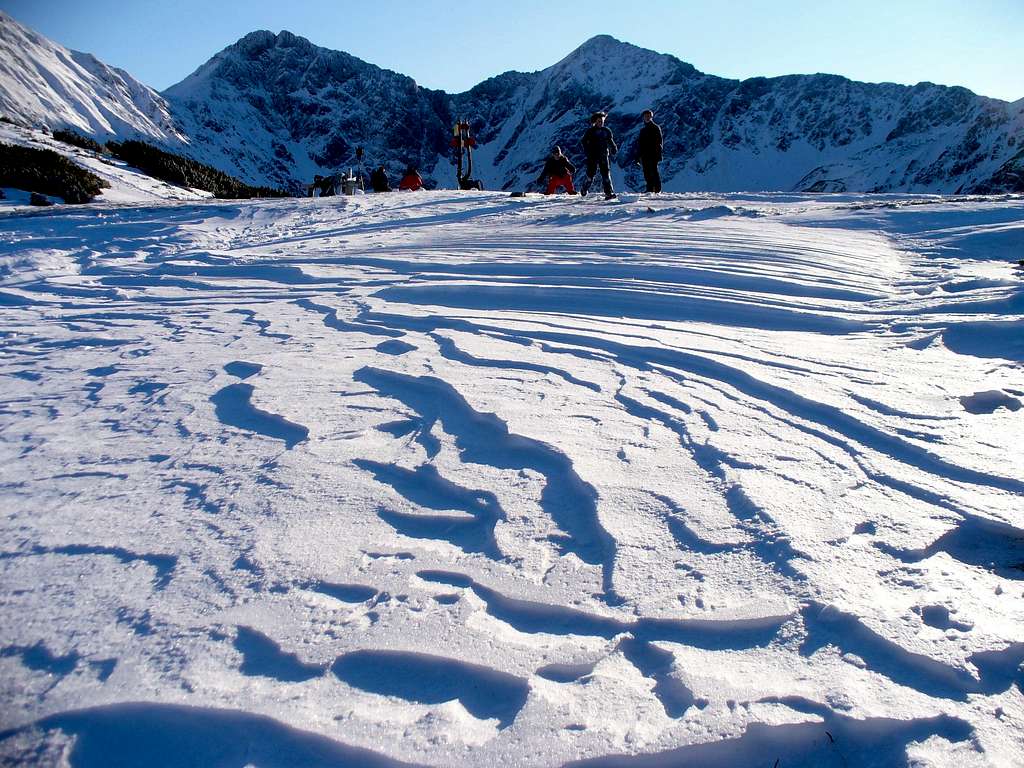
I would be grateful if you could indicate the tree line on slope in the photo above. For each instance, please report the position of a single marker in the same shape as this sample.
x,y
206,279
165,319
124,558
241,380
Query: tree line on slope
x,y
46,172
186,172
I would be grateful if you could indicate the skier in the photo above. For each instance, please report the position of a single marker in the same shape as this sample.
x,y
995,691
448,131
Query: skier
x,y
648,147
558,171
598,143
379,180
412,180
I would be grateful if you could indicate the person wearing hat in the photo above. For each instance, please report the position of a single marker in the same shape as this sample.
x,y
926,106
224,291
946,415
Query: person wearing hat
x,y
648,148
599,144
558,171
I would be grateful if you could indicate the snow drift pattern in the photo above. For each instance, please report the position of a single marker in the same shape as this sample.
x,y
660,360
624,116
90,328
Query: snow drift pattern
x,y
385,480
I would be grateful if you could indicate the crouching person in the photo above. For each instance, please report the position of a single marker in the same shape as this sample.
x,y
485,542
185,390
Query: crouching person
x,y
558,171
412,180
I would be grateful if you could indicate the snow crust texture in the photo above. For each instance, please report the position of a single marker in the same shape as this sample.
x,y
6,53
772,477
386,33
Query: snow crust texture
x,y
463,479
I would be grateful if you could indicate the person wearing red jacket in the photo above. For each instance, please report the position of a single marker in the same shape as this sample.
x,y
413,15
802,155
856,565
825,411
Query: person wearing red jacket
x,y
558,171
412,180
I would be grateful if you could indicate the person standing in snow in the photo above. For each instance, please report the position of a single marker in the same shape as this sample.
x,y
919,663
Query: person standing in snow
x,y
558,171
648,148
599,145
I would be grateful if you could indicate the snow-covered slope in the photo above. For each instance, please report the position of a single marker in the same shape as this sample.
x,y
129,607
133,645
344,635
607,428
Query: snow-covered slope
x,y
470,480
275,107
43,84
796,132
278,108
127,185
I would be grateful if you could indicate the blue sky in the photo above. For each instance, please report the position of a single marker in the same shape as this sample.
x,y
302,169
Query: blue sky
x,y
454,45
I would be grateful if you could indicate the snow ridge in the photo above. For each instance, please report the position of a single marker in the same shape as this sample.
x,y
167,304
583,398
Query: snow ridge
x,y
444,478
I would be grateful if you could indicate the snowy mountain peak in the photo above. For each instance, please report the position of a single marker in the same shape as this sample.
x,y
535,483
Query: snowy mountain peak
x,y
608,57
43,84
601,45
276,109
256,44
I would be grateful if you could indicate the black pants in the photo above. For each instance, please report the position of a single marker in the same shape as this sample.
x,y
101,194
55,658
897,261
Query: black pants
x,y
593,163
651,174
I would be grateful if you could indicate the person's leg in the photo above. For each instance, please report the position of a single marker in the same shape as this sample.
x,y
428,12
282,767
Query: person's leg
x,y
553,183
606,178
567,182
652,176
591,171
648,177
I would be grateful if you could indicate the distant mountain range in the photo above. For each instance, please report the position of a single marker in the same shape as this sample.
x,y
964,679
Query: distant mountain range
x,y
276,109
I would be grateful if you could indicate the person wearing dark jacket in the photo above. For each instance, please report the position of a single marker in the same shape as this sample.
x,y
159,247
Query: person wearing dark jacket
x,y
558,171
599,144
379,180
648,148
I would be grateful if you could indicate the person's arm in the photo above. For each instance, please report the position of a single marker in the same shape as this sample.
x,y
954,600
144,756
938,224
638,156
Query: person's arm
x,y
611,142
543,172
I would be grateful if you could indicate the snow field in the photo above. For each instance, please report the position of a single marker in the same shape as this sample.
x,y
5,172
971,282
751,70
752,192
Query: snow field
x,y
468,479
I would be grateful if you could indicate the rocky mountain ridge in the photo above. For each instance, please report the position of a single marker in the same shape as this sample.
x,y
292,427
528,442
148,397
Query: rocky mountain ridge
x,y
276,109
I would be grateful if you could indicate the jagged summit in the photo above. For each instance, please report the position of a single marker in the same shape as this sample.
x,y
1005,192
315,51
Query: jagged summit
x,y
256,43
605,48
601,44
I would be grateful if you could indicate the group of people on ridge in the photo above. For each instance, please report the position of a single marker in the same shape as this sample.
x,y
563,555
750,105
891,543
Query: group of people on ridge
x,y
326,186
411,180
599,147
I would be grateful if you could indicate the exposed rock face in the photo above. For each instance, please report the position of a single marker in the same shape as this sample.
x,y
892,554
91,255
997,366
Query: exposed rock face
x,y
276,109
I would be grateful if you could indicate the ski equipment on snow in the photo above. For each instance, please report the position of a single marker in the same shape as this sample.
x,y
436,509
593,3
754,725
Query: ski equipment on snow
x,y
463,142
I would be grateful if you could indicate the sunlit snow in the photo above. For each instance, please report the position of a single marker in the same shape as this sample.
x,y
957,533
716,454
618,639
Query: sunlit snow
x,y
464,479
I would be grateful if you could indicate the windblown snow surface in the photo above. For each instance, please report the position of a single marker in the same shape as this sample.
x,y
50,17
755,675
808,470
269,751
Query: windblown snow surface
x,y
448,479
